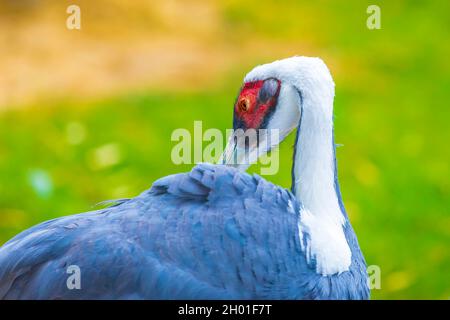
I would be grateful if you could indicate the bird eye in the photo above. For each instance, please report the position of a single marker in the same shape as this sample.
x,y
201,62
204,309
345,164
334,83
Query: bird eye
x,y
243,105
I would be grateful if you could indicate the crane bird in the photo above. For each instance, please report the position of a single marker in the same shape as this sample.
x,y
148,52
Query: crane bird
x,y
215,232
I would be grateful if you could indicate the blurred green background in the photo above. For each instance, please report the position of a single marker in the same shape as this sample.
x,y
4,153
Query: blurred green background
x,y
86,115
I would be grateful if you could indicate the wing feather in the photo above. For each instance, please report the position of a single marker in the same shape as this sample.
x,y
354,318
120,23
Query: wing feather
x,y
214,232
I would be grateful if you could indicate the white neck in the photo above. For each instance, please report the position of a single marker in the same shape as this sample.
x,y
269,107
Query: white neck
x,y
314,186
314,167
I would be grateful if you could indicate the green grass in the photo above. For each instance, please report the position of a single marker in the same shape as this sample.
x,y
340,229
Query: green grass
x,y
391,113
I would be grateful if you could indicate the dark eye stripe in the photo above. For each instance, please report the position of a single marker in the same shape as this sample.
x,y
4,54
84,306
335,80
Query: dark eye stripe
x,y
268,90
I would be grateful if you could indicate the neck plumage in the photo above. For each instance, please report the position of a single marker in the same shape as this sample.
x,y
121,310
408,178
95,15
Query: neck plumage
x,y
314,161
315,186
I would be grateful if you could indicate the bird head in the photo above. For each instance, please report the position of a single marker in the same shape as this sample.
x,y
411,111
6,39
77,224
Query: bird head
x,y
270,103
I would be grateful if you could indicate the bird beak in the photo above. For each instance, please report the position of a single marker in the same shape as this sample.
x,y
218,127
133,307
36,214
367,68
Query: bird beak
x,y
235,155
244,149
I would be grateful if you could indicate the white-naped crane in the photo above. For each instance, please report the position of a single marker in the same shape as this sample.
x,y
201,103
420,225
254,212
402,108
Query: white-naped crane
x,y
215,232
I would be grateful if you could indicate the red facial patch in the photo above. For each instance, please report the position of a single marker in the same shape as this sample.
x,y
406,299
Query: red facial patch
x,y
249,109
